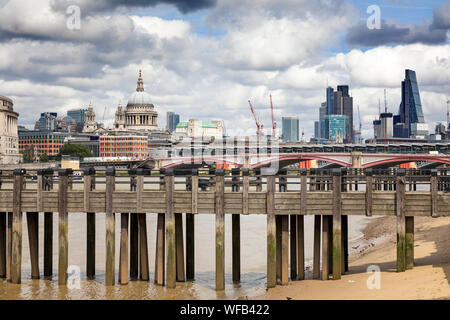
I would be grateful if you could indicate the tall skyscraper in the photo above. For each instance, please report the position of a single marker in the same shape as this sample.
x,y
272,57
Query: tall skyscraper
x,y
337,127
347,109
410,110
79,115
172,120
330,100
290,129
322,114
317,129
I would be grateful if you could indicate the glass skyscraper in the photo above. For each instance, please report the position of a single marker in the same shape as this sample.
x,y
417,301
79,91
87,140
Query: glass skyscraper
x,y
172,120
79,115
290,129
337,126
410,110
330,100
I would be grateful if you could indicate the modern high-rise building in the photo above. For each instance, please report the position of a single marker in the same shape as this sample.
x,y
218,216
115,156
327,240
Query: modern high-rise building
x,y
410,110
316,129
337,127
330,100
47,121
347,109
322,114
172,120
79,115
290,129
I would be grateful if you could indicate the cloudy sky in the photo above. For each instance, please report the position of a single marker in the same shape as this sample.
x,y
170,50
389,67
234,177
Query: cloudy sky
x,y
205,58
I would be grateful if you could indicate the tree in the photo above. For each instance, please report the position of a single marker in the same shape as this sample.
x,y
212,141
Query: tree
x,y
74,150
43,158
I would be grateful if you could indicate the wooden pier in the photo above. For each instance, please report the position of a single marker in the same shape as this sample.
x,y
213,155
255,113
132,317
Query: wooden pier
x,y
285,197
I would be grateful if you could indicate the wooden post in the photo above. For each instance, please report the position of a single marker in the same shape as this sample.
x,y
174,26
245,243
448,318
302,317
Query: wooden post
x,y
236,234
337,241
369,191
110,228
3,229
434,190
123,248
325,247
278,245
9,245
271,231
179,247
300,226
170,231
344,243
190,247
63,223
33,241
400,213
142,222
220,230
293,245
160,241
89,185
409,238
134,232
45,183
16,254
316,256
245,190
284,235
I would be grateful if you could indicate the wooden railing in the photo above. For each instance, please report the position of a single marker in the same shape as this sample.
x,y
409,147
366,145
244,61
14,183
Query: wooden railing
x,y
285,197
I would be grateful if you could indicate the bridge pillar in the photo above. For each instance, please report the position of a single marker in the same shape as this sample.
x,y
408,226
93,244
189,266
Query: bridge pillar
x,y
356,158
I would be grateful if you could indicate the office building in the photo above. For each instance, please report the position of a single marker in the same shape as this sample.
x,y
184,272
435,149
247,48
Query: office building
x,y
9,140
337,127
42,142
47,122
386,125
172,121
129,146
330,100
322,114
290,129
79,115
195,128
410,110
316,129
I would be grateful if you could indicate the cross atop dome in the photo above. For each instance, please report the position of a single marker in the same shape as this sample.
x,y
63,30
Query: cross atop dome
x,y
140,83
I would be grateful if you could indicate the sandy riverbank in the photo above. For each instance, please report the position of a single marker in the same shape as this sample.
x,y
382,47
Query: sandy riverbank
x,y
430,278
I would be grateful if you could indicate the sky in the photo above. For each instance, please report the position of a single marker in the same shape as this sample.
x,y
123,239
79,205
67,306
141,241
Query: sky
x,y
205,59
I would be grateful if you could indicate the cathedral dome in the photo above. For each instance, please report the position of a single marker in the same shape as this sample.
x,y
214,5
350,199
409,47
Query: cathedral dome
x,y
140,97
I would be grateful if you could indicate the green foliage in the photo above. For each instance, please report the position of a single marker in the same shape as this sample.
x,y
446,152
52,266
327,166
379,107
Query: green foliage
x,y
25,157
74,150
43,158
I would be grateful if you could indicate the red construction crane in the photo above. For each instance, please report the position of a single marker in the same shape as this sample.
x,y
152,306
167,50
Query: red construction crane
x,y
259,126
274,124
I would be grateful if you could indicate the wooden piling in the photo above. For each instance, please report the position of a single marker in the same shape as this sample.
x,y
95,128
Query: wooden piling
x,y
190,247
271,234
89,185
160,241
284,249
220,230
293,245
337,241
300,227
316,249
434,193
236,234
325,247
345,243
3,229
181,277
278,245
134,247
369,191
33,242
400,213
409,238
16,253
123,248
110,229
143,247
63,227
48,245
9,245
170,231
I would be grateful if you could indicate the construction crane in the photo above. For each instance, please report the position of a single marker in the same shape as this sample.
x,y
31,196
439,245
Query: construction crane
x,y
448,114
259,126
274,124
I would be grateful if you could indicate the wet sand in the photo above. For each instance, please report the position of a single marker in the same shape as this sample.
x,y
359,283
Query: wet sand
x,y
430,278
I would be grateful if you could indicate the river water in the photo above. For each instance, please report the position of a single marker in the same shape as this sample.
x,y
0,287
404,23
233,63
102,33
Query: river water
x,y
253,261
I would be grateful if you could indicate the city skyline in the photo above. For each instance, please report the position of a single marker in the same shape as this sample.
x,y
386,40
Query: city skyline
x,y
196,63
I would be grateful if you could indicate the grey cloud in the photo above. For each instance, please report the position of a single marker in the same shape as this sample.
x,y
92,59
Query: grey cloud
x,y
184,6
394,33
441,16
